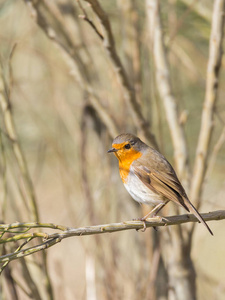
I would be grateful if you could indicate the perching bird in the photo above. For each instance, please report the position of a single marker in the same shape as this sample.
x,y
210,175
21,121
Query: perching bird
x,y
148,176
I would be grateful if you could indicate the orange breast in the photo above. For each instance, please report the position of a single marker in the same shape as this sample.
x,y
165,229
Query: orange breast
x,y
125,163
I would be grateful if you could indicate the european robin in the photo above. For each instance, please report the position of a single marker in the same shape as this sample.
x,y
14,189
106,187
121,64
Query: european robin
x,y
149,177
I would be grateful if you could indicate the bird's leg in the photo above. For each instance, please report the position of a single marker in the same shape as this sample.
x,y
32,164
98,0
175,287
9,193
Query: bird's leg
x,y
157,210
153,212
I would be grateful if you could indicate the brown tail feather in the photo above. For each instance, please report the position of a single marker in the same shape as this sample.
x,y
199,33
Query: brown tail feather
x,y
198,216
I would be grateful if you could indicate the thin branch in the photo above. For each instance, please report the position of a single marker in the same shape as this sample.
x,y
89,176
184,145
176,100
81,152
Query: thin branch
x,y
29,225
31,284
214,64
16,251
165,88
17,150
4,185
86,18
21,161
50,20
10,282
128,90
218,145
18,237
50,240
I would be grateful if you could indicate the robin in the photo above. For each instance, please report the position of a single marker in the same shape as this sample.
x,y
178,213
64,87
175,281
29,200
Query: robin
x,y
149,177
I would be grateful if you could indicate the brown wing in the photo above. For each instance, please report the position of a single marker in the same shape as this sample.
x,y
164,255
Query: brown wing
x,y
162,179
159,176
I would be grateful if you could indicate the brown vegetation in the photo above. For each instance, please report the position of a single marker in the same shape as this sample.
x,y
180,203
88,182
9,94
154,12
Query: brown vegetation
x,y
74,74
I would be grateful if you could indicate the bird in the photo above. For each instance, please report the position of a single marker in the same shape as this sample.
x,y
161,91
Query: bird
x,y
148,177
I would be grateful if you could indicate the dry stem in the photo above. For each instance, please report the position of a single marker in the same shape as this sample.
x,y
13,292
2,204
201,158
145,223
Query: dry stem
x,y
214,64
128,90
165,88
49,240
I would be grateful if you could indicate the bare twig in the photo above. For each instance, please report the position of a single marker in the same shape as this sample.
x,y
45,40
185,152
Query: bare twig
x,y
33,286
165,88
86,18
23,168
49,240
50,20
4,181
128,90
163,81
214,64
23,227
216,149
11,283
17,250
131,35
11,131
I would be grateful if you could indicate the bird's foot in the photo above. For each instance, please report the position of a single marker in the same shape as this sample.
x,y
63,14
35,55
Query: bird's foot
x,y
161,219
144,224
144,219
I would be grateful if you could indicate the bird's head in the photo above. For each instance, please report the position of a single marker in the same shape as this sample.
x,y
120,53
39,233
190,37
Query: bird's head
x,y
127,147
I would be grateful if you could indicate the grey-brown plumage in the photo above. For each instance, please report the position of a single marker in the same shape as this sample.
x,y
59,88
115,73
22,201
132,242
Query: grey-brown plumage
x,y
150,177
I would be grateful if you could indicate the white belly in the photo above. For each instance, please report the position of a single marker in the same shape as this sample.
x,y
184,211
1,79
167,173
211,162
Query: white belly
x,y
140,192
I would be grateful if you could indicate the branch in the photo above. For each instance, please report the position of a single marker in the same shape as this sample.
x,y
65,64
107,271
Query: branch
x,y
10,128
85,18
128,90
217,146
29,192
165,88
50,20
214,64
49,240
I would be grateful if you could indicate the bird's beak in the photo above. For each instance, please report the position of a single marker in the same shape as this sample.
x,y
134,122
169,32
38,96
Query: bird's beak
x,y
112,150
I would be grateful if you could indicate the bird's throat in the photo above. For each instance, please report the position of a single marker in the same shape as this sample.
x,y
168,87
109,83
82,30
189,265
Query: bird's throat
x,y
125,162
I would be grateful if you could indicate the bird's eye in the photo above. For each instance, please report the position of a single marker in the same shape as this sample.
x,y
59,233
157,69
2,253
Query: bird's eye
x,y
127,146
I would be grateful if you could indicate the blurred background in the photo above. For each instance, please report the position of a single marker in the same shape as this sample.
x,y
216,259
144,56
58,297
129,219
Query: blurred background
x,y
62,86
